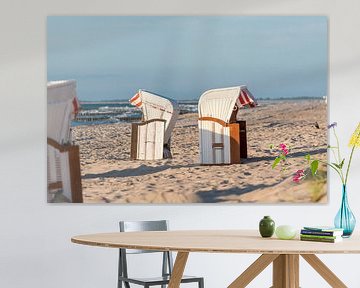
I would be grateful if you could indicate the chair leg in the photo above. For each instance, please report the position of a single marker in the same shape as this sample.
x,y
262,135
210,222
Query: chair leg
x,y
201,283
126,284
164,266
120,273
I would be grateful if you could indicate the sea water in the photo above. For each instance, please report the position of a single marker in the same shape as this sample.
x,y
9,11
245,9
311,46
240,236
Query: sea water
x,y
94,113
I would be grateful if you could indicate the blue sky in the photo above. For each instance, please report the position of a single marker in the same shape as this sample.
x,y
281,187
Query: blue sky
x,y
111,57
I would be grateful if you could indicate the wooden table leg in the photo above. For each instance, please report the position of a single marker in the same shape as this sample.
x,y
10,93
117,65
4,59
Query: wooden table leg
x,y
286,271
253,270
178,270
324,271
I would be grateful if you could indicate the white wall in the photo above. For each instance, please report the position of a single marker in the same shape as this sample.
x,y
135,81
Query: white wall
x,y
35,248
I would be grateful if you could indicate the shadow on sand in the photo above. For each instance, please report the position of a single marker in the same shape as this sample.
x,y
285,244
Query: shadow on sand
x,y
216,196
293,155
138,171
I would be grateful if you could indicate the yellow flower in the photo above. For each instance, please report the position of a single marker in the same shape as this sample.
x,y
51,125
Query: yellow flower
x,y
355,138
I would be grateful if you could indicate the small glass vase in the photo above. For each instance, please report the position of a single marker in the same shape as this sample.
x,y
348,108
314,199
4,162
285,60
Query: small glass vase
x,y
345,219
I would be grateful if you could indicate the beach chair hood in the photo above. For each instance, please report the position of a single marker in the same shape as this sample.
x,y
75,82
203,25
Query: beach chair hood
x,y
220,103
154,106
63,105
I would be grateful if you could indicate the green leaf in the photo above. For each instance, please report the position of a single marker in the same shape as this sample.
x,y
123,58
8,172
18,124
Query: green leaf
x,y
307,157
276,162
314,167
342,164
271,146
336,165
282,157
339,166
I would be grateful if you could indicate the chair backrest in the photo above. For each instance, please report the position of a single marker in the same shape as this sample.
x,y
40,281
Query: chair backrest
x,y
134,226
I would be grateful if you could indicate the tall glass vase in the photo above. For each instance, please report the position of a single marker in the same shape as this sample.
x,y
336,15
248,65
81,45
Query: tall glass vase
x,y
345,219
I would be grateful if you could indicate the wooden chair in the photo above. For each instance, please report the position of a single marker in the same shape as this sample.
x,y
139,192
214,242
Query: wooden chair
x,y
167,262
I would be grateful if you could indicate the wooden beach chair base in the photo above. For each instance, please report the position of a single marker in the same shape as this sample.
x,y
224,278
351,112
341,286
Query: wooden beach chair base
x,y
74,171
222,143
147,140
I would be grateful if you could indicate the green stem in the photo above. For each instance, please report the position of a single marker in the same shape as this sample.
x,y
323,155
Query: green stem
x,y
336,160
335,168
339,155
337,142
348,167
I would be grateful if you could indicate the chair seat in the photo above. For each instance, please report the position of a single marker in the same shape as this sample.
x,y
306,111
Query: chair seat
x,y
158,280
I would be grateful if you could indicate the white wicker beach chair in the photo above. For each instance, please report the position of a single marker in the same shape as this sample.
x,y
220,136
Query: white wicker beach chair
x,y
151,138
63,162
222,137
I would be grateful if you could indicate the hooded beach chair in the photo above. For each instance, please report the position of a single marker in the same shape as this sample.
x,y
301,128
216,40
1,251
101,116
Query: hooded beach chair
x,y
150,139
222,137
63,161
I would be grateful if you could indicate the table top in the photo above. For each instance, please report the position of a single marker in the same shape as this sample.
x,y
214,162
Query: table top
x,y
216,241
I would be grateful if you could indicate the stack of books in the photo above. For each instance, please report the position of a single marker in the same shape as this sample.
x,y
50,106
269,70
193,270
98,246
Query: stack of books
x,y
321,234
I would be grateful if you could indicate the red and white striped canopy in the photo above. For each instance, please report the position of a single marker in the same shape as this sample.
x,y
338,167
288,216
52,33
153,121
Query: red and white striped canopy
x,y
220,103
136,100
246,99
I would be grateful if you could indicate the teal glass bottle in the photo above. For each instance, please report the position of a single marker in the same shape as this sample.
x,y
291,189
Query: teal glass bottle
x,y
266,227
345,219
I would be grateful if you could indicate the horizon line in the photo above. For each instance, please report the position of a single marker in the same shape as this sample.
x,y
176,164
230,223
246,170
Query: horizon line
x,y
193,100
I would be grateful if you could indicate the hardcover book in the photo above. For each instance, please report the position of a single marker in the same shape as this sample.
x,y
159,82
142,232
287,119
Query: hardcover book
x,y
321,233
326,240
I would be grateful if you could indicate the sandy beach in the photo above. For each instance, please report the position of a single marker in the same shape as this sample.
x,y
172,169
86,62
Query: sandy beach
x,y
109,176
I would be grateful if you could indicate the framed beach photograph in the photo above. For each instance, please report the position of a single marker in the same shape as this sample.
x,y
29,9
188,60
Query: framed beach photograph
x,y
187,109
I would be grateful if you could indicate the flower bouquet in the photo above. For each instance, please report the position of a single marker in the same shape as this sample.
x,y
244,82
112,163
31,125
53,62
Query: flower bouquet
x,y
344,218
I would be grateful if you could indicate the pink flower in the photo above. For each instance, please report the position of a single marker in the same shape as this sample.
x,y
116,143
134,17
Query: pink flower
x,y
284,149
282,146
299,175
